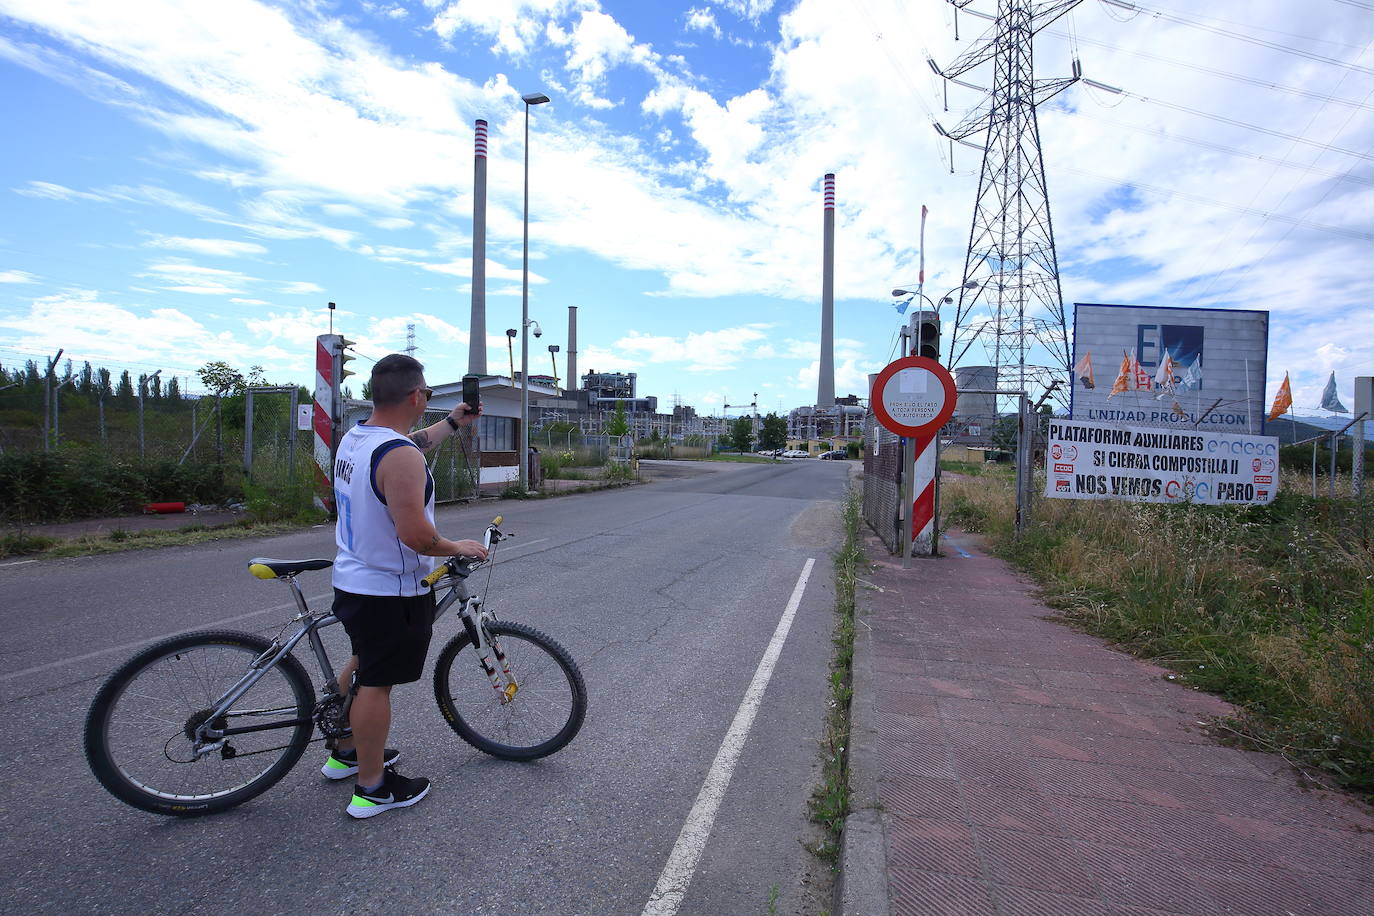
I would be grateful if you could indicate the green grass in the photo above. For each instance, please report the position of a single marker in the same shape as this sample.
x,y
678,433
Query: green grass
x,y
830,801
120,540
1271,607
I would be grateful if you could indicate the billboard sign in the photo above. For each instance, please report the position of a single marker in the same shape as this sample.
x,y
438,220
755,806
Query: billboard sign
x,y
1151,465
1183,368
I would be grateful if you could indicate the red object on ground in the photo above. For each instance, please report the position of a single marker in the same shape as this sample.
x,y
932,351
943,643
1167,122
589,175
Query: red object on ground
x,y
165,508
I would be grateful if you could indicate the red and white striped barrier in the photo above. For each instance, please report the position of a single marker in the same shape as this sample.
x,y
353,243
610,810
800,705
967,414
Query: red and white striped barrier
x,y
326,409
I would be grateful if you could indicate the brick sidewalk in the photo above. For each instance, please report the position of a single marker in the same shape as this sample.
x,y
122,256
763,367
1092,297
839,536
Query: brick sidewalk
x,y
1012,765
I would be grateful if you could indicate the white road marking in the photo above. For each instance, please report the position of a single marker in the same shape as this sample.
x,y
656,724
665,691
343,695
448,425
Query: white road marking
x,y
691,841
125,647
139,644
17,563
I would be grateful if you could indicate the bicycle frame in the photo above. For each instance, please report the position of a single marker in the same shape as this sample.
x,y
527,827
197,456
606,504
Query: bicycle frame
x,y
210,739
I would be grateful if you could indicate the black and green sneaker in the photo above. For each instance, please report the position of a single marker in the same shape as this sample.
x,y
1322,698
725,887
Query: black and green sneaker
x,y
343,764
396,791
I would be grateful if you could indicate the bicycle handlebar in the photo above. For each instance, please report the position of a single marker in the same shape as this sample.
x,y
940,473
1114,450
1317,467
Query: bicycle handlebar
x,y
449,565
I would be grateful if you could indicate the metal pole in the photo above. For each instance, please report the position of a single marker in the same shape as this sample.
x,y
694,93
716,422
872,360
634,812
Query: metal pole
x,y
1335,447
248,436
141,380
291,435
523,457
1357,461
908,480
1314,468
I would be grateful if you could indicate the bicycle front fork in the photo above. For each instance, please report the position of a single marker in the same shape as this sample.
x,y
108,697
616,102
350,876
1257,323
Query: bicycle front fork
x,y
489,647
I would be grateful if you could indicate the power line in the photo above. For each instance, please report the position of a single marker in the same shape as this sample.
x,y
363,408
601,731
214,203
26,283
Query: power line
x,y
1234,122
1294,221
1334,174
1227,33
1225,74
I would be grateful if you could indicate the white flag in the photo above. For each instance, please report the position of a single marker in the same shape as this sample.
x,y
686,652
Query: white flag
x,y
1330,400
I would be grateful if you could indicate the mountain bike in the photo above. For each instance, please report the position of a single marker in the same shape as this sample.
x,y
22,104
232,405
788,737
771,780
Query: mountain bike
x,y
205,721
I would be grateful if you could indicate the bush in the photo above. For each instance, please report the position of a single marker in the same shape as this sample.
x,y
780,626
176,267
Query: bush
x,y
85,483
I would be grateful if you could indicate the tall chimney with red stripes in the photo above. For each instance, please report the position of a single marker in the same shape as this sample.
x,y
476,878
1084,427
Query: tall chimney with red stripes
x,y
477,327
825,388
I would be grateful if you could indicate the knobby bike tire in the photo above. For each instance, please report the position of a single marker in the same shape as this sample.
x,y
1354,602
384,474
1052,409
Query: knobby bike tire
x,y
546,712
137,729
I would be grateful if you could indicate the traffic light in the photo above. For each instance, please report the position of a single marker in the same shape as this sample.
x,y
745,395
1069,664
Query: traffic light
x,y
925,332
344,358
928,338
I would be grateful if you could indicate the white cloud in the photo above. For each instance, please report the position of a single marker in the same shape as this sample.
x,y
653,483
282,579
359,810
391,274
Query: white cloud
x,y
213,247
701,20
184,277
102,332
17,276
701,351
301,288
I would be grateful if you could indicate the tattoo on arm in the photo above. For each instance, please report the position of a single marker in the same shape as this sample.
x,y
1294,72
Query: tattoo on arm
x,y
420,439
432,542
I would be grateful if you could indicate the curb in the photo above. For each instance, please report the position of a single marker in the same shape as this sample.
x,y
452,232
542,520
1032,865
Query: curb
x,y
862,887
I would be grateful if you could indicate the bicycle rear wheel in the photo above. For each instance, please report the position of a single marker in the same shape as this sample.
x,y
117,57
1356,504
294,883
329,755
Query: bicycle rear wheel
x,y
141,726
543,715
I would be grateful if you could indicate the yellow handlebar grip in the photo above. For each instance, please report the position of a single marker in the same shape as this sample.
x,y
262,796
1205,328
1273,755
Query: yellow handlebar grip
x,y
497,521
435,576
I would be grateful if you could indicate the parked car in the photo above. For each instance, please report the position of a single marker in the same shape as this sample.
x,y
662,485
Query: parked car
x,y
838,455
795,453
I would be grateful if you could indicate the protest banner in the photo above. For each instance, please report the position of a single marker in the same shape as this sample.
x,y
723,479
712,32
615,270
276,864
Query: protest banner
x,y
1086,460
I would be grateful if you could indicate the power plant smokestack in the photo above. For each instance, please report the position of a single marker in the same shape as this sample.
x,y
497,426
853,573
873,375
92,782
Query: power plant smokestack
x,y
825,388
572,348
477,327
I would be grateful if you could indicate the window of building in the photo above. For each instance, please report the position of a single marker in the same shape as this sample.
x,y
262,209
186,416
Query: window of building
x,y
497,433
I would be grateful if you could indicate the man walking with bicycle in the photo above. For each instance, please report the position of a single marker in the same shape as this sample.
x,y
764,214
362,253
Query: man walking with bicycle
x,y
386,539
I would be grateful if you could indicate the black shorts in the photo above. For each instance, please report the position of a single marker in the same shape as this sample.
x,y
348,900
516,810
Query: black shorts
x,y
390,635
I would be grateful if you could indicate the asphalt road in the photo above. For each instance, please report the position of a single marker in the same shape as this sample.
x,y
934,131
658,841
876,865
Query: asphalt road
x,y
667,595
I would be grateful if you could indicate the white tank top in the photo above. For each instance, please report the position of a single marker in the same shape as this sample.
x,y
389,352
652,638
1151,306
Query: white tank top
x,y
372,560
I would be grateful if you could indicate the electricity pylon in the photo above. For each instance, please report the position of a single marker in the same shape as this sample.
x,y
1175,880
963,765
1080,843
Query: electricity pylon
x,y
1011,268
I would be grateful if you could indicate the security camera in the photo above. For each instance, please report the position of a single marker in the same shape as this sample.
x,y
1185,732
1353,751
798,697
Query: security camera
x,y
537,332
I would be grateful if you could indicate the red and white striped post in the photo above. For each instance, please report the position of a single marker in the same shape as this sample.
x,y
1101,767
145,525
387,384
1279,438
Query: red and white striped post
x,y
325,420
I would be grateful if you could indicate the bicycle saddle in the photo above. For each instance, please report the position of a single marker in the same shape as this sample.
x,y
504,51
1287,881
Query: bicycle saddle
x,y
264,568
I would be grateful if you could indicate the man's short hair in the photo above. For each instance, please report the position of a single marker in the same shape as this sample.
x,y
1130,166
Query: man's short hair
x,y
394,377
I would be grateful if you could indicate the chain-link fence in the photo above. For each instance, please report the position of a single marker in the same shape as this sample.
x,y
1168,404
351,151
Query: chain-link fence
x,y
455,465
882,482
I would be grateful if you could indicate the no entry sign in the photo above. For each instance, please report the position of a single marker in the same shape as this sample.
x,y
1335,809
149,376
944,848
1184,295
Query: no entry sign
x,y
913,396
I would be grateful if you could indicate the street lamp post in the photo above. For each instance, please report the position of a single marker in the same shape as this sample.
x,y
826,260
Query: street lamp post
x,y
553,359
935,306
143,381
534,98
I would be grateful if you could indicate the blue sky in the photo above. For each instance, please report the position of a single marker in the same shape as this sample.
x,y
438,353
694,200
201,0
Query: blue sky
x,y
186,181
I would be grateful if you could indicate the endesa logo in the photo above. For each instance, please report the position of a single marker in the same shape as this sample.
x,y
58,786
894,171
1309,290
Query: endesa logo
x,y
1063,469
1061,486
1187,489
1264,478
1240,449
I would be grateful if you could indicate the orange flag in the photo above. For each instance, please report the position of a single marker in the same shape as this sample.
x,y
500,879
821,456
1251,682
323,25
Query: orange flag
x,y
1282,401
1123,378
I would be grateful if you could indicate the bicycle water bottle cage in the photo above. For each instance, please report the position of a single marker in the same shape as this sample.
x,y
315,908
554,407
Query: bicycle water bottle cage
x,y
264,568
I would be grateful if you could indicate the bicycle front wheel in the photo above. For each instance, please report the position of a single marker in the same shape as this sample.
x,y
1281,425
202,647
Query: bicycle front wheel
x,y
141,729
546,710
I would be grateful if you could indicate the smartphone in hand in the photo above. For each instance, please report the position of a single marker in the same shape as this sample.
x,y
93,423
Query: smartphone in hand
x,y
471,392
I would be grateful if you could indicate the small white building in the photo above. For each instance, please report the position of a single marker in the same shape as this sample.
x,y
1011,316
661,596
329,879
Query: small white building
x,y
498,429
